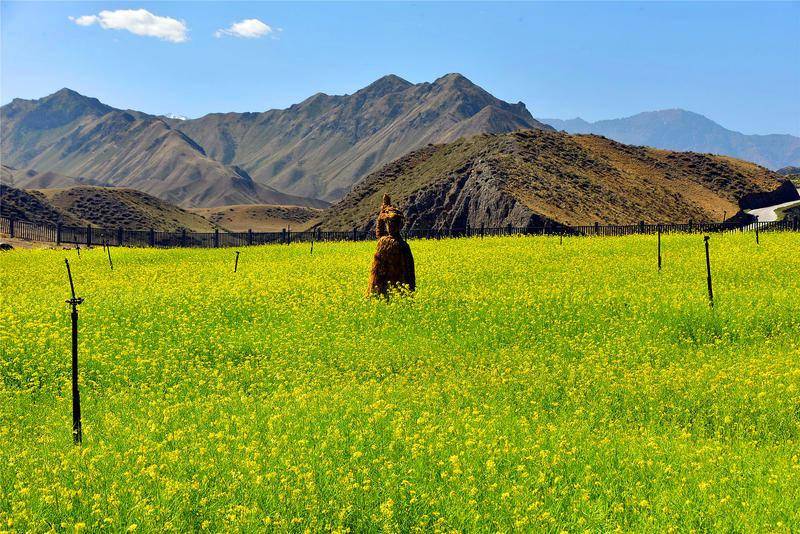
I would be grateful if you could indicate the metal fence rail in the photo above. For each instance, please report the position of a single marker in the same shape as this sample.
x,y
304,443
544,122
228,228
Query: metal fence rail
x,y
89,236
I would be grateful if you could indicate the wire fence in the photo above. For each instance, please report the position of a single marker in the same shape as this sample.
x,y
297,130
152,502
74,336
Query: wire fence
x,y
93,236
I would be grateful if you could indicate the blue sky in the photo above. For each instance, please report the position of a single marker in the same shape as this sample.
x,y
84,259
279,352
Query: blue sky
x,y
737,63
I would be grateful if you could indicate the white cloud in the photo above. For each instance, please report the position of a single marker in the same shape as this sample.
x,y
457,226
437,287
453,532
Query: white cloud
x,y
139,22
86,20
247,28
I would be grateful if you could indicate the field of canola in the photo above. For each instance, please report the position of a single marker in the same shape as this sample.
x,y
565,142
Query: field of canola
x,y
527,386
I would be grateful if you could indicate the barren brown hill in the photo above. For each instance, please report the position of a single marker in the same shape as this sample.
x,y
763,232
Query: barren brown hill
x,y
124,208
32,206
260,218
527,178
322,146
70,134
98,206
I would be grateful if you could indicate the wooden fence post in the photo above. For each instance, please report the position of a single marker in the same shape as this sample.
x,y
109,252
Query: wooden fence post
x,y
11,227
119,237
596,228
659,248
757,243
708,271
250,237
354,234
88,235
58,234
482,229
183,238
216,237
152,237
283,236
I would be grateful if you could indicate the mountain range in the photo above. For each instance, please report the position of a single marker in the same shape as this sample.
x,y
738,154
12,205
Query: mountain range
x,y
531,178
316,149
451,152
677,129
76,136
325,144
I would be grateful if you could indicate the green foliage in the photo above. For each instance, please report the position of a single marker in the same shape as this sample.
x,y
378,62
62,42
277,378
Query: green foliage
x,y
526,386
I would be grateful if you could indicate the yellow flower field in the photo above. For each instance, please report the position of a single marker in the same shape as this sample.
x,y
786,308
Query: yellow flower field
x,y
527,385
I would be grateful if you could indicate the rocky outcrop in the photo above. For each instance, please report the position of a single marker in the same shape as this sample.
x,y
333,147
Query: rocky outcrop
x,y
471,198
787,192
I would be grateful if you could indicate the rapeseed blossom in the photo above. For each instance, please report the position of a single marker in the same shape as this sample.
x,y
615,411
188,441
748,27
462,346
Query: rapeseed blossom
x,y
527,385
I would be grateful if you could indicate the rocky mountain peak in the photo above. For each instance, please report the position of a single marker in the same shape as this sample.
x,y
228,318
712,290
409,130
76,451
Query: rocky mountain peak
x,y
390,83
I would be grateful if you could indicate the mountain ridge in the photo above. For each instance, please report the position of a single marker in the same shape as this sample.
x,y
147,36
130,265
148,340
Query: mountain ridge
x,y
75,135
323,145
679,129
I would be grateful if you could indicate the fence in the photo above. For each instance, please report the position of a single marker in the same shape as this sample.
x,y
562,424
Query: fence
x,y
88,235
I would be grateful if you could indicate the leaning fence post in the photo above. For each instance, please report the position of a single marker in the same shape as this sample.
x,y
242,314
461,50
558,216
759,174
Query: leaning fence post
x,y
708,271
236,262
77,433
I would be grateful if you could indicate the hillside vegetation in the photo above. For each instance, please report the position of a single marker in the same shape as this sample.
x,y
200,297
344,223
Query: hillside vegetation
x,y
527,386
105,207
33,206
528,178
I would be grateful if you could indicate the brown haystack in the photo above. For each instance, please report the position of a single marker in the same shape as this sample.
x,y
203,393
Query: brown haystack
x,y
393,264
